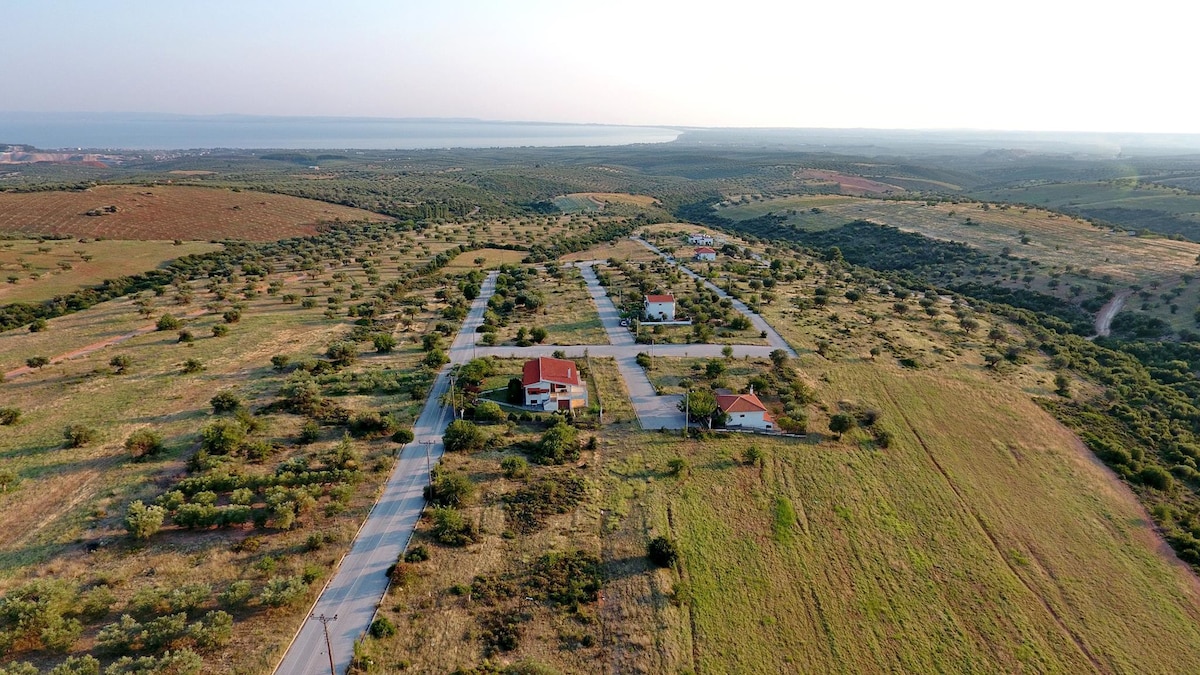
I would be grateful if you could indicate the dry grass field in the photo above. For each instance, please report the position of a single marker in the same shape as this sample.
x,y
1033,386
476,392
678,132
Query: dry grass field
x,y
44,269
1053,239
485,258
586,202
169,212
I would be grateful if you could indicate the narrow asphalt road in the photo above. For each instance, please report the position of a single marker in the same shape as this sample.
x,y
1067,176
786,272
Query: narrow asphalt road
x,y
361,580
773,337
653,411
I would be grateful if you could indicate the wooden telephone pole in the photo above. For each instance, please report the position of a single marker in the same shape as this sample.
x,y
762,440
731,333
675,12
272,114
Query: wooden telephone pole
x,y
328,645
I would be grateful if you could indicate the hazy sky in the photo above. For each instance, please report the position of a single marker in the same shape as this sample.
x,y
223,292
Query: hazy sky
x,y
1017,64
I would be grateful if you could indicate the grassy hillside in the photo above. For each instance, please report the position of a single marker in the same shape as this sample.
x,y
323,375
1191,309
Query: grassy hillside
x,y
981,539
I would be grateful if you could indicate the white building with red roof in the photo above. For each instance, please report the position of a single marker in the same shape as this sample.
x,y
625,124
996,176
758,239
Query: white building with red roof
x,y
659,307
745,410
705,253
553,384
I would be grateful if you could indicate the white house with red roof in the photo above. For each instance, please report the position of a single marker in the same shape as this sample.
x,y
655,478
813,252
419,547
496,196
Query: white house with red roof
x,y
553,384
745,410
704,253
659,307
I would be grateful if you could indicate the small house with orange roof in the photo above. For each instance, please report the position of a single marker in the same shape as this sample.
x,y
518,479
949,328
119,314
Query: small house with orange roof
x,y
745,410
706,254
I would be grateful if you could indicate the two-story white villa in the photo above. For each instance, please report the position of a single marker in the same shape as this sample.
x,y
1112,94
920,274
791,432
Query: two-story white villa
x,y
659,308
700,239
553,384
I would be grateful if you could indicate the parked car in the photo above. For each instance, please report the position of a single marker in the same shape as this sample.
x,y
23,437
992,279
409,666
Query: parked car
x,y
624,322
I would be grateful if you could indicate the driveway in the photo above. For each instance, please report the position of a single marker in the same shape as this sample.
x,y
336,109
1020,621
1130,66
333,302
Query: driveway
x,y
361,580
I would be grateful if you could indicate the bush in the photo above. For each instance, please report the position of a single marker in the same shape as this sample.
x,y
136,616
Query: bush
x,y
416,554
226,401
677,466
752,455
192,366
168,322
120,364
280,361
450,489
144,521
186,336
1155,477
382,628
36,362
78,435
282,591
451,528
560,444
232,316
371,425
342,354
222,437
9,416
840,424
403,436
220,330
489,411
662,552
516,393
463,436
237,595
514,467
436,358
144,443
384,343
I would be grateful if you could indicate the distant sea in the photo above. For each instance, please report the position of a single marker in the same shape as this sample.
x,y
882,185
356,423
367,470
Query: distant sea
x,y
133,131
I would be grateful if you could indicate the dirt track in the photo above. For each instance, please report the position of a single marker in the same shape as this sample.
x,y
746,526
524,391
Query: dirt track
x,y
1110,310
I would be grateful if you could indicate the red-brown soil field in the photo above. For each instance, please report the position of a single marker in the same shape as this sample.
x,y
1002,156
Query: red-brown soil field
x,y
169,212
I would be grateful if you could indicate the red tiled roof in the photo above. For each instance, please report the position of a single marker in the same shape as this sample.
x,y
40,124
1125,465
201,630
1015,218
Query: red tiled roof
x,y
546,369
660,298
740,403
705,249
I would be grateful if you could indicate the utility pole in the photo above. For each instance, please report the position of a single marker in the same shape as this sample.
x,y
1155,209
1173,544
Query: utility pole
x,y
328,645
687,406
428,466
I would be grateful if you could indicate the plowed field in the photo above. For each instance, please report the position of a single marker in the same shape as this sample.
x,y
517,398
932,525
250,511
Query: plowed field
x,y
169,212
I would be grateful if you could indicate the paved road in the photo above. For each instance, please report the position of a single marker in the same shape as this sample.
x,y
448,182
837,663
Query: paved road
x,y
773,337
653,411
360,581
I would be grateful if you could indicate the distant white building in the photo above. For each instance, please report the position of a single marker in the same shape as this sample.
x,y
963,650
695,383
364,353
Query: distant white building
x,y
553,384
745,410
700,239
659,308
706,254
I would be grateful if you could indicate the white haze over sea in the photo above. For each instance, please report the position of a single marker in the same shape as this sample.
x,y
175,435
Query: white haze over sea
x,y
134,131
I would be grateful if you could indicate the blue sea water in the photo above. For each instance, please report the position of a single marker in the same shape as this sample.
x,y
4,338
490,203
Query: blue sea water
x,y
178,132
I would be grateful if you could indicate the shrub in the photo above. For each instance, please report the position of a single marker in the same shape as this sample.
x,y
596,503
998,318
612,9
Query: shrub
x,y
677,466
403,436
463,436
402,574
144,443
384,343
342,353
382,628
232,316
186,336
489,411
371,425
38,326
559,444
538,334
752,455
450,489
9,416
280,361
840,423
120,364
226,401
36,362
222,437
282,591
213,631
78,435
1155,477
451,528
168,322
7,478
237,595
192,366
514,467
144,521
516,393
436,358
416,554
220,330
309,433
662,551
